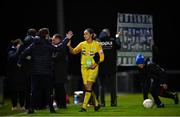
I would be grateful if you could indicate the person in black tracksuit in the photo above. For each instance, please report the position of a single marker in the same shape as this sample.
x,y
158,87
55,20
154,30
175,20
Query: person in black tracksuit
x,y
28,40
108,68
60,63
16,81
154,81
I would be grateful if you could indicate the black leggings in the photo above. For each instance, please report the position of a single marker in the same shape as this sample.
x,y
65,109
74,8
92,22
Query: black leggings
x,y
17,96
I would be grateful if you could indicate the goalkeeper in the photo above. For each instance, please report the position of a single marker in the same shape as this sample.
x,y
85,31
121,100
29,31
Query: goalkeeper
x,y
153,80
91,55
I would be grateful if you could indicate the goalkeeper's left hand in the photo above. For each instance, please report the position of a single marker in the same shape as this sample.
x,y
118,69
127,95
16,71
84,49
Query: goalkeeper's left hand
x,y
93,66
96,58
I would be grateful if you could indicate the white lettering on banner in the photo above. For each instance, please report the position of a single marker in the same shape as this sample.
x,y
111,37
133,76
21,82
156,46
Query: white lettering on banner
x,y
106,43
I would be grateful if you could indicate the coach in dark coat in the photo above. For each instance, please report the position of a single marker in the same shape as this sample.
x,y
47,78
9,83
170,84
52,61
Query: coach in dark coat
x,y
41,72
28,40
60,64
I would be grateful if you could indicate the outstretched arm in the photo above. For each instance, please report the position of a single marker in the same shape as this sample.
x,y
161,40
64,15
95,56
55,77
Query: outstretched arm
x,y
66,39
75,50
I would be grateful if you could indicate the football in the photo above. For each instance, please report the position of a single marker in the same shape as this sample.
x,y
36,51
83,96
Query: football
x,y
148,103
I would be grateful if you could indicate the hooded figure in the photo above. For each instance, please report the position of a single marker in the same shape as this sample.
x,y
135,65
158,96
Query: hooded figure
x,y
107,69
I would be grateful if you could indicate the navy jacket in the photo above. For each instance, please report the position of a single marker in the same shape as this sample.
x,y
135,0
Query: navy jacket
x,y
41,52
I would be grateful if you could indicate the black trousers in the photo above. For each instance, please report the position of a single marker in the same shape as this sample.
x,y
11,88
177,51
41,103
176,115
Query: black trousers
x,y
17,97
106,82
60,95
28,92
153,87
41,88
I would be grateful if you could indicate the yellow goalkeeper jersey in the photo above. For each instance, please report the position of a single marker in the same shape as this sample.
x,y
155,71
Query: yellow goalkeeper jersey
x,y
88,51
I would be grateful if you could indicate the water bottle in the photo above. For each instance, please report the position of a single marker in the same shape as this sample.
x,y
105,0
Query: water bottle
x,y
75,99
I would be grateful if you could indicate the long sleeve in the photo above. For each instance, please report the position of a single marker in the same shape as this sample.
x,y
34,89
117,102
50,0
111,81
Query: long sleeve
x,y
77,49
101,53
12,53
25,53
63,43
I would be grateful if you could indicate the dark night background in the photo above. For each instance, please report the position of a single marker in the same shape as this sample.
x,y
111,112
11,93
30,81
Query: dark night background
x,y
18,16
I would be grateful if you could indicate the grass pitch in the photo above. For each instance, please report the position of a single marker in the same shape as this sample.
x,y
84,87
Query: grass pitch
x,y
128,105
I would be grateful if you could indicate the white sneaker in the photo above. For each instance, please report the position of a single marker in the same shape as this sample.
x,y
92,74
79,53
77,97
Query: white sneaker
x,y
14,109
22,109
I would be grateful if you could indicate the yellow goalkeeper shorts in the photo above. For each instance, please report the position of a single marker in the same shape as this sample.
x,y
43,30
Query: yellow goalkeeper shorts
x,y
89,74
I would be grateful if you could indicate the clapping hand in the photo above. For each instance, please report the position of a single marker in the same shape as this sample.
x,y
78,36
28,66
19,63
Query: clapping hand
x,y
69,34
